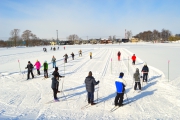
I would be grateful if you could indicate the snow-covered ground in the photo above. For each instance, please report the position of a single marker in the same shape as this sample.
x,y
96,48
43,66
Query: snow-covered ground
x,y
31,99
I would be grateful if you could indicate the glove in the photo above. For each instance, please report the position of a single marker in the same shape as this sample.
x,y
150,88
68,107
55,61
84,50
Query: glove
x,y
98,81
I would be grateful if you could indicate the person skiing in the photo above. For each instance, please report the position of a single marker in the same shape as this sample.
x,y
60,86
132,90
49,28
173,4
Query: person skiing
x,y
30,69
145,71
55,82
80,53
120,89
45,65
136,77
133,59
72,54
90,83
51,48
38,66
54,48
119,54
53,61
64,47
65,58
90,55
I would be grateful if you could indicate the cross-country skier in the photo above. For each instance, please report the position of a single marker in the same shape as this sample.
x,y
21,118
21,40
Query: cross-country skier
x,y
145,71
30,69
120,88
119,54
137,79
65,58
55,82
72,54
90,83
80,53
38,66
45,65
90,55
53,61
133,59
64,47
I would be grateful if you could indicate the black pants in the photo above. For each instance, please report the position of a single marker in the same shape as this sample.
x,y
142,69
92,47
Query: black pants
x,y
139,85
45,73
30,71
90,57
145,77
73,58
133,62
90,97
38,72
55,93
119,99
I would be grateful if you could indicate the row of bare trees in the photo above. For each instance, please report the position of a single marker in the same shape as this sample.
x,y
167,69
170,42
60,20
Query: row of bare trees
x,y
154,35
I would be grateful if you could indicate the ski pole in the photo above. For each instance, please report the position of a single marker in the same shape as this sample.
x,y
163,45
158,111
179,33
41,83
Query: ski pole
x,y
97,93
127,97
19,66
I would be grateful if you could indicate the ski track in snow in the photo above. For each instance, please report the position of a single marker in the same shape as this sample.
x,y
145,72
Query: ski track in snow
x,y
28,99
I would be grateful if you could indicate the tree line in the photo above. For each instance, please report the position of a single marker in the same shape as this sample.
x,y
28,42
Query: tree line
x,y
154,35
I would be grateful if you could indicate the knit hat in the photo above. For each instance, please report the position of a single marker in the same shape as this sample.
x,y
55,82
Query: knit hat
x,y
56,68
29,62
121,74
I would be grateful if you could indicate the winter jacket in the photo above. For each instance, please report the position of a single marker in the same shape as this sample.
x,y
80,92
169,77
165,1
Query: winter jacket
x,y
55,83
119,54
30,67
56,74
120,85
38,65
90,53
72,54
90,83
145,68
53,59
137,76
45,65
66,56
133,57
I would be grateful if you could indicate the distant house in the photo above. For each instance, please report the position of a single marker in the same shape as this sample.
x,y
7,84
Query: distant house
x,y
134,40
106,41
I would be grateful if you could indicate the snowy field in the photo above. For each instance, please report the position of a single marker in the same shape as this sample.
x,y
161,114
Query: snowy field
x,y
22,99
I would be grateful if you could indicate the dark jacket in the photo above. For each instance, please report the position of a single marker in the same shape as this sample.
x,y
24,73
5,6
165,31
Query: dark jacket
x,y
72,54
119,54
90,83
56,74
55,83
30,67
145,68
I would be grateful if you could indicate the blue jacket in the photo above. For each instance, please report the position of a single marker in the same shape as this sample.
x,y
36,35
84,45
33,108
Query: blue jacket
x,y
120,85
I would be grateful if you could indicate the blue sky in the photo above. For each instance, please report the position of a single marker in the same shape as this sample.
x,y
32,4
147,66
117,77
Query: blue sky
x,y
92,18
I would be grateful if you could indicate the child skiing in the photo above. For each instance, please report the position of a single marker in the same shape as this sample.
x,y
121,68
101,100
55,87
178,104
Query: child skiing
x,y
80,53
137,79
133,59
53,61
90,55
65,58
72,56
120,88
119,54
30,69
45,65
38,65
145,71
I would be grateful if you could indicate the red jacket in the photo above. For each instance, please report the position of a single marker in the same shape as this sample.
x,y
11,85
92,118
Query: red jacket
x,y
133,57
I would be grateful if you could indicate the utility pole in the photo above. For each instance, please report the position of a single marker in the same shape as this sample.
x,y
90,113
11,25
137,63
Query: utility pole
x,y
57,36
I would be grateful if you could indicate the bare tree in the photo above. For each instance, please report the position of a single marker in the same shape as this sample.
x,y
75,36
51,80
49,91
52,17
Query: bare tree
x,y
14,35
26,36
73,37
129,34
